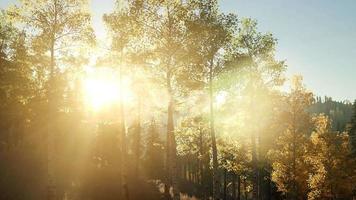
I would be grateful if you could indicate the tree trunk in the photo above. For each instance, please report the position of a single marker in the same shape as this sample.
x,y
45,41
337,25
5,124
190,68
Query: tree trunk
x,y
51,182
234,186
189,169
255,168
294,186
125,189
171,157
138,137
269,191
185,170
260,171
238,187
225,184
201,157
216,185
245,189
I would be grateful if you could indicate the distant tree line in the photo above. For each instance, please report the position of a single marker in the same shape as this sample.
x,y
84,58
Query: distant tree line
x,y
339,112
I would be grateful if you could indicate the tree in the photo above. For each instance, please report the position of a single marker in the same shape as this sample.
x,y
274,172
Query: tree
x,y
16,95
340,112
234,159
124,30
352,131
210,32
153,162
352,139
193,143
290,171
54,26
165,25
254,73
16,83
330,174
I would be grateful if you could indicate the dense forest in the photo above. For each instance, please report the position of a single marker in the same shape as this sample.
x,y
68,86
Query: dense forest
x,y
339,112
182,101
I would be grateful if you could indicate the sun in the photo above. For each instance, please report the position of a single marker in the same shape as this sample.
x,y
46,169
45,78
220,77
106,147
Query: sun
x,y
101,88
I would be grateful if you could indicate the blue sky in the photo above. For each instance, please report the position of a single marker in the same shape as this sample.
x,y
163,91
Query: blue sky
x,y
317,38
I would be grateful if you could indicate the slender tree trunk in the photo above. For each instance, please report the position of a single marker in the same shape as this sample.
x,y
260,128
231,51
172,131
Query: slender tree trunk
x,y
168,143
172,167
189,170
51,187
294,191
171,157
255,168
196,180
138,138
294,150
125,187
269,191
260,172
255,174
225,184
233,186
216,185
51,183
238,187
201,157
184,170
245,189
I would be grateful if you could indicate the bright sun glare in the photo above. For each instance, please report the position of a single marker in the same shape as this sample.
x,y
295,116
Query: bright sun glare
x,y
102,88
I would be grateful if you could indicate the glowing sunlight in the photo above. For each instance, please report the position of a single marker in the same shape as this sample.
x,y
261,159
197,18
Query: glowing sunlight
x,y
101,88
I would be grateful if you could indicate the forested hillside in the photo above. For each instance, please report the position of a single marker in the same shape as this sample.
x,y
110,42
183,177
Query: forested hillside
x,y
181,101
340,112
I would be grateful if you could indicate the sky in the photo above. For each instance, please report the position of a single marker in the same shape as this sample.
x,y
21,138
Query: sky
x,y
316,38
